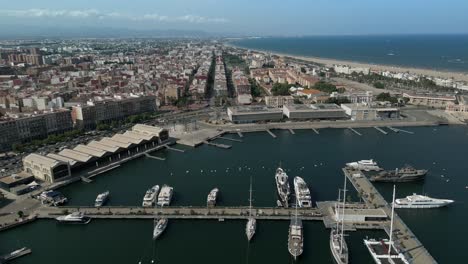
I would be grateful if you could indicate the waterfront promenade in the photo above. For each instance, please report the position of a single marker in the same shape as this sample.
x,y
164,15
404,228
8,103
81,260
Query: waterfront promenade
x,y
402,235
183,212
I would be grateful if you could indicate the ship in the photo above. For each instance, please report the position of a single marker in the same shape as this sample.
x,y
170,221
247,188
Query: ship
x,y
251,226
405,174
150,196
421,201
302,192
282,185
212,197
101,199
296,238
384,251
365,165
338,245
74,218
165,196
159,227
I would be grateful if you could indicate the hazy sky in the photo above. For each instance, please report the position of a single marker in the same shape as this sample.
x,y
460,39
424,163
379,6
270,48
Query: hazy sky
x,y
266,17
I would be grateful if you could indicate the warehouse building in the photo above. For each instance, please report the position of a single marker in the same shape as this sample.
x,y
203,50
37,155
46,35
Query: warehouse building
x,y
363,112
254,113
313,111
45,168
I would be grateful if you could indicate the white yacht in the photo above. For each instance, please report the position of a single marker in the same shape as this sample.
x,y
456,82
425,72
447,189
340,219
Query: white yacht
x,y
385,251
365,165
302,192
421,201
165,196
101,199
74,218
159,227
282,186
212,197
150,196
252,222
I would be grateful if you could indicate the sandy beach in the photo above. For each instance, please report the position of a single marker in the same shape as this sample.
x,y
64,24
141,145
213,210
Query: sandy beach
x,y
457,76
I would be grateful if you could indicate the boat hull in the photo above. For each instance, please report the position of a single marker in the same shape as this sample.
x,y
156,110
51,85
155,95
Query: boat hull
x,y
84,221
337,257
412,206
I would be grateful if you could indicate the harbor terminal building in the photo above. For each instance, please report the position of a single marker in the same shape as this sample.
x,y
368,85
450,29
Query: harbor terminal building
x,y
54,167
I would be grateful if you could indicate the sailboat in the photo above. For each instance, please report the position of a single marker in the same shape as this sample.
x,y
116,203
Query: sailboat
x,y
296,236
338,245
159,225
384,251
252,222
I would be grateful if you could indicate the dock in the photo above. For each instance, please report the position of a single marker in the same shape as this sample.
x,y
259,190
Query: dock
x,y
405,131
230,139
154,157
175,149
354,130
291,131
240,134
86,180
393,129
271,133
15,254
316,131
184,212
224,146
381,130
404,238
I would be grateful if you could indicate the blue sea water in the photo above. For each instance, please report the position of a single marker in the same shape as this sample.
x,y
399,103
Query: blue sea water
x,y
438,52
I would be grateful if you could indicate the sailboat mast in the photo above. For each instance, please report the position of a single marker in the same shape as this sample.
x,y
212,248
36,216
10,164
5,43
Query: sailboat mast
x,y
342,216
337,208
250,198
391,223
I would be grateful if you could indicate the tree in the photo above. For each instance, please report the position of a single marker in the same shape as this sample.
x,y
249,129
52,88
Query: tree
x,y
255,90
325,87
280,89
386,97
20,214
379,85
338,101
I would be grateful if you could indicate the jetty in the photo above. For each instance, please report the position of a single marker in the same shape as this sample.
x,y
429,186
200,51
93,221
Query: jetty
x,y
316,131
175,149
354,130
154,157
85,179
15,254
393,129
219,145
405,239
184,212
291,131
381,130
230,139
240,134
271,133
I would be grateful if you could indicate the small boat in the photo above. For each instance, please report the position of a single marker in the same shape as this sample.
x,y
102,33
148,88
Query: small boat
x,y
101,199
421,201
165,196
150,196
405,174
74,218
302,192
212,197
159,227
282,186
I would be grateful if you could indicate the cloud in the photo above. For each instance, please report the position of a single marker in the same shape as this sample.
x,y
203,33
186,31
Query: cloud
x,y
93,13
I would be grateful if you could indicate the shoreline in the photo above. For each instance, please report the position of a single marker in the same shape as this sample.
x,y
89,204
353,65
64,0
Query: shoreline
x,y
447,74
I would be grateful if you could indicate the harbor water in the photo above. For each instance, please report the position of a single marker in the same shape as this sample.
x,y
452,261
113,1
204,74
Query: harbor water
x,y
316,158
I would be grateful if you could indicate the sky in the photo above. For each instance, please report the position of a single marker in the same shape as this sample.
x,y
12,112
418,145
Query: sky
x,y
246,17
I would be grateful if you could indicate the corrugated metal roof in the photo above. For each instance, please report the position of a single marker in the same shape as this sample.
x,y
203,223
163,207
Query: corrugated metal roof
x,y
99,145
138,135
72,162
76,155
124,139
42,160
114,143
90,150
145,129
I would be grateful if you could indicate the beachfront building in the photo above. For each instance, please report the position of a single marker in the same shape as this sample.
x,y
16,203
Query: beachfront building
x,y
252,114
345,69
430,100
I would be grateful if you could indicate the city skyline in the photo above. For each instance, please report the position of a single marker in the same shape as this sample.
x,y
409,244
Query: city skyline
x,y
298,17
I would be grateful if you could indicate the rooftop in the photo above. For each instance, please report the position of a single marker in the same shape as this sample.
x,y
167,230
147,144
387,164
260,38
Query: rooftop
x,y
249,109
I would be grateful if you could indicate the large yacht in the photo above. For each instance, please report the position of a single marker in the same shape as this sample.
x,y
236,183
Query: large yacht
x,y
159,227
421,201
405,174
282,186
338,246
302,192
74,218
150,196
212,196
365,165
252,222
296,238
165,196
101,199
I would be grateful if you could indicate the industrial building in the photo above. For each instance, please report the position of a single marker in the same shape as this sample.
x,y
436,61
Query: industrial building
x,y
313,111
363,112
57,166
254,113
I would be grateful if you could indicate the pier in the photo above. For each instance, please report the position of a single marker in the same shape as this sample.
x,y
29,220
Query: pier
x,y
291,131
271,133
240,134
354,130
393,129
381,130
405,131
403,238
154,157
15,254
86,180
174,149
223,146
184,212
230,139
316,131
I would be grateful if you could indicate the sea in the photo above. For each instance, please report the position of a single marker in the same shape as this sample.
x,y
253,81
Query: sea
x,y
435,52
316,158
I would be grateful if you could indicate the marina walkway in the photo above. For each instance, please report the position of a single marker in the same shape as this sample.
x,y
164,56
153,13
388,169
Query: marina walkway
x,y
183,212
404,238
